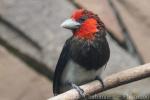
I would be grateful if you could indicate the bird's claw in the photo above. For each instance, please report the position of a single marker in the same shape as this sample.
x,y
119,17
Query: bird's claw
x,y
101,81
79,90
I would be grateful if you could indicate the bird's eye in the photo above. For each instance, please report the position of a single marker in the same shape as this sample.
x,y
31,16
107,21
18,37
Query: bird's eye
x,y
82,19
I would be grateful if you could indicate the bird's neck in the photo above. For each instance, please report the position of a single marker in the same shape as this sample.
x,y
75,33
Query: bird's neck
x,y
86,32
89,35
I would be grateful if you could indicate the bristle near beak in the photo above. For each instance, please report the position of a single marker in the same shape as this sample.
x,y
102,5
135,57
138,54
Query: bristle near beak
x,y
70,24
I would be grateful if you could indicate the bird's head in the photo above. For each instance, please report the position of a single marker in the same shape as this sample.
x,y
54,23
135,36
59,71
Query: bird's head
x,y
83,23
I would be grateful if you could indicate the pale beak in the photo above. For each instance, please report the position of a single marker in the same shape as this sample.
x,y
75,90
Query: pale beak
x,y
70,24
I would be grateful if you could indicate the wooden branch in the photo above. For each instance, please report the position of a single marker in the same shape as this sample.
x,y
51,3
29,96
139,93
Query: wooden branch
x,y
115,80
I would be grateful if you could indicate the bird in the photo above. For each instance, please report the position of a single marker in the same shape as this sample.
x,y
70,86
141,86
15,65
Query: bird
x,y
84,55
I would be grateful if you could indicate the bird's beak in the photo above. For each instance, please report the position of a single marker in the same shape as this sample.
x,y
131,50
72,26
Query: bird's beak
x,y
70,24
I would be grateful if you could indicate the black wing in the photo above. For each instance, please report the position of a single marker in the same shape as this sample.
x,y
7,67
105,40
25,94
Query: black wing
x,y
63,59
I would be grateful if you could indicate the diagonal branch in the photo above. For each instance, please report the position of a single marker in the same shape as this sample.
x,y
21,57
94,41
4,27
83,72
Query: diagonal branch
x,y
115,80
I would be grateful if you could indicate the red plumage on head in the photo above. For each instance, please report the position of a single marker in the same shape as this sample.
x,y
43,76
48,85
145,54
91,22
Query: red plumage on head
x,y
77,14
87,29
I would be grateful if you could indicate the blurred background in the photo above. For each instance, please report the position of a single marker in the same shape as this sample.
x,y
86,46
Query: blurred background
x,y
31,40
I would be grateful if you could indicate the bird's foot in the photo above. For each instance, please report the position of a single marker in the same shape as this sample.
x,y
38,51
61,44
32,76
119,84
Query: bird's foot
x,y
101,81
79,90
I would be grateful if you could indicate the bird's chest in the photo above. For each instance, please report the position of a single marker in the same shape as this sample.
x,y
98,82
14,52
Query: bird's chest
x,y
86,53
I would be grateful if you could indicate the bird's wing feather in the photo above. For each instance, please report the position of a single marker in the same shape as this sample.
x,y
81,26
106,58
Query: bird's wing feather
x,y
63,59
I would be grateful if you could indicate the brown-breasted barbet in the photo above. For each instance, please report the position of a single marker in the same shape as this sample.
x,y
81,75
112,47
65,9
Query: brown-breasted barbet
x,y
84,54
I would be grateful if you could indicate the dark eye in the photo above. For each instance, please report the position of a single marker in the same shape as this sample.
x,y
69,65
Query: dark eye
x,y
82,19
